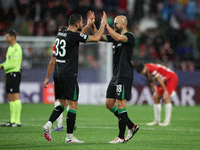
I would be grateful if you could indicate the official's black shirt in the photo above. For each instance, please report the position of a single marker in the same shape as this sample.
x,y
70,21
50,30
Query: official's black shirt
x,y
66,52
122,56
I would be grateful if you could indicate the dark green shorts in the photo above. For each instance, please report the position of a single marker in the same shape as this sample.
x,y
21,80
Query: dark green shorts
x,y
119,88
66,88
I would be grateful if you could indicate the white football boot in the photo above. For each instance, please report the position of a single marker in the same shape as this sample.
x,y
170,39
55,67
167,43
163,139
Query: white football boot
x,y
153,123
131,132
47,132
117,140
165,123
73,140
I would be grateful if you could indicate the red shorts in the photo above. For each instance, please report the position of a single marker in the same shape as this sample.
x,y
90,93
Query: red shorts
x,y
170,84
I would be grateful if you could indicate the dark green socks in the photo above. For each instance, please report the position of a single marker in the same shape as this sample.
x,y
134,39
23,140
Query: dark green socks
x,y
56,113
71,118
122,118
129,123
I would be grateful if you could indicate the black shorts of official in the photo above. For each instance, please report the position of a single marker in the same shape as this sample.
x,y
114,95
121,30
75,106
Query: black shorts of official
x,y
13,80
66,88
119,88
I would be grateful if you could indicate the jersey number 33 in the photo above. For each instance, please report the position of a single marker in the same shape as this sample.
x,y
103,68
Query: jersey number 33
x,y
60,47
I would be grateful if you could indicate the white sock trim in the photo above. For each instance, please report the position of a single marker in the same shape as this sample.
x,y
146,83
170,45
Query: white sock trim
x,y
56,103
69,135
67,108
49,123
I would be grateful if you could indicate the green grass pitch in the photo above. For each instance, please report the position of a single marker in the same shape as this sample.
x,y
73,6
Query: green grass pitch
x,y
97,126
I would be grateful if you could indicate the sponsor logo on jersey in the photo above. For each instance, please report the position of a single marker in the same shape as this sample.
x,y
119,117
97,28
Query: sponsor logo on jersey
x,y
118,45
60,61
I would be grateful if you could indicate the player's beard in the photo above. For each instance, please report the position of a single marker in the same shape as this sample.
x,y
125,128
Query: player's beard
x,y
9,42
119,30
80,28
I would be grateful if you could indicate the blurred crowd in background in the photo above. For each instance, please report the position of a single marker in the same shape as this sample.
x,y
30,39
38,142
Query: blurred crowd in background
x,y
166,31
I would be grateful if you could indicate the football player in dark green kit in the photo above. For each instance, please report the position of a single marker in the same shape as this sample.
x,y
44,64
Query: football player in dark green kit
x,y
119,88
65,65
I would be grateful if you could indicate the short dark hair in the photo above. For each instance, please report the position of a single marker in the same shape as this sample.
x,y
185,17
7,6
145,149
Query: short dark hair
x,y
74,18
139,67
62,28
12,33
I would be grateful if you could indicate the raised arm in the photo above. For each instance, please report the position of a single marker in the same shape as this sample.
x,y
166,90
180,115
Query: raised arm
x,y
93,27
90,22
85,29
116,36
98,34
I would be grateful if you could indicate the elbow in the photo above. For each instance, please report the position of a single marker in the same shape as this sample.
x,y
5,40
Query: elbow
x,y
96,39
118,39
52,63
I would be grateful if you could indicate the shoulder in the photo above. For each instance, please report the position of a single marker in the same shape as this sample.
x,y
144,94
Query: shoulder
x,y
77,34
129,33
130,36
151,66
17,47
82,35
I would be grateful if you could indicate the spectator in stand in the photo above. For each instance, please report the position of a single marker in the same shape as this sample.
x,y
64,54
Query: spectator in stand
x,y
173,19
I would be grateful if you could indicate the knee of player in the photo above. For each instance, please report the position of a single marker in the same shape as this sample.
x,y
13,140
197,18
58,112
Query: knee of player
x,y
108,105
166,100
155,96
121,104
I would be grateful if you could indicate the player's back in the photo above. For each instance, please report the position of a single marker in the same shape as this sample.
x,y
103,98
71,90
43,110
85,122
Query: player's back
x,y
66,52
159,70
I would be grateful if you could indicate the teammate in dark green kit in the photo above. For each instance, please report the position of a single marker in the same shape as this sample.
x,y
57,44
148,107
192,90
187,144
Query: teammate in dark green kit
x,y
12,66
65,65
119,88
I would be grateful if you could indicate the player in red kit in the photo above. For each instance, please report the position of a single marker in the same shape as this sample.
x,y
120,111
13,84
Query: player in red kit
x,y
166,88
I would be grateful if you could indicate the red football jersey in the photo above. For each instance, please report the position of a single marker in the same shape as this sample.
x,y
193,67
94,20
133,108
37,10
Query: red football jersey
x,y
159,70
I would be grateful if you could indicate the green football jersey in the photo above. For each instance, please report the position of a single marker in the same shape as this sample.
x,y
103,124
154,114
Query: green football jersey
x,y
13,59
